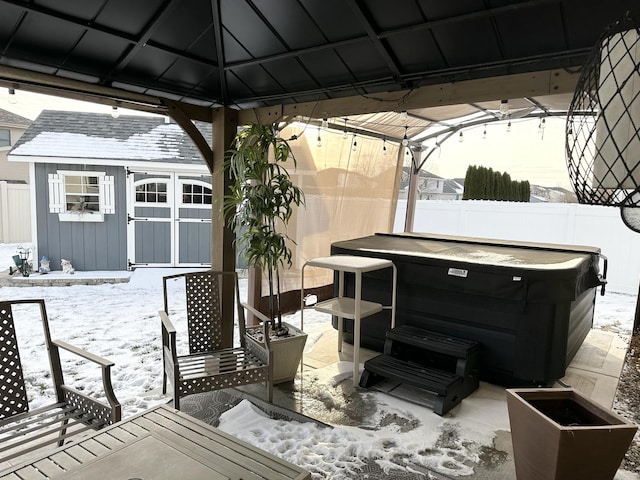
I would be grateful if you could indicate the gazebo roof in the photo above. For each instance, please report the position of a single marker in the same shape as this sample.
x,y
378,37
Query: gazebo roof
x,y
259,53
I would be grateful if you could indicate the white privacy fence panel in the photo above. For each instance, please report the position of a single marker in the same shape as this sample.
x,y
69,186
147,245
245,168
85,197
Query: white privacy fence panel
x,y
563,223
15,213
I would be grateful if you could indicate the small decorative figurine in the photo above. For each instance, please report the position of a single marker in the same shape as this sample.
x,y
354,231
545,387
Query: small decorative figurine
x,y
66,266
44,265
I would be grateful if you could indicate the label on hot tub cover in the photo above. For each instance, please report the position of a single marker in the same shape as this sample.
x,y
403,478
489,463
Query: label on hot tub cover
x,y
458,272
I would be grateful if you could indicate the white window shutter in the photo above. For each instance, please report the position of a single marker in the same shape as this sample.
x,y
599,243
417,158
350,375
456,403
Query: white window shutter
x,y
57,202
107,194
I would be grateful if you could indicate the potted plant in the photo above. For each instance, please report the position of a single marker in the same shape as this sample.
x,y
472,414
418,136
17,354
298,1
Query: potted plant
x,y
258,207
559,434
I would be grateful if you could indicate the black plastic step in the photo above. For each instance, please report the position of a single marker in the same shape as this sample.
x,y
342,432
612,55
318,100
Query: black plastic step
x,y
434,380
432,341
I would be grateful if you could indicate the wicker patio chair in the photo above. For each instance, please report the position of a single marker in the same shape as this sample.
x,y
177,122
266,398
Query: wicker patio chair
x,y
22,429
209,365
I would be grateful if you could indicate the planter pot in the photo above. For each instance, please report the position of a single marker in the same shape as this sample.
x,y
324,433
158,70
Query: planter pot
x,y
558,433
287,353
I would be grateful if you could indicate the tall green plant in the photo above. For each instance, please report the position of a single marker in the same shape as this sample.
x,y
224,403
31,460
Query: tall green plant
x,y
261,202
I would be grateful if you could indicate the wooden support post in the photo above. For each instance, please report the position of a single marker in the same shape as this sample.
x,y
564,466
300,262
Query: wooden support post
x,y
224,124
223,251
254,293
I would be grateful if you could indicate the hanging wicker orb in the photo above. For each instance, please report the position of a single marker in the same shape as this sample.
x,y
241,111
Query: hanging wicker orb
x,y
603,121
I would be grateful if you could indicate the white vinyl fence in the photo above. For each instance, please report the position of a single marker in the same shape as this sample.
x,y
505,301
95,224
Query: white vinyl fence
x,y
561,223
15,213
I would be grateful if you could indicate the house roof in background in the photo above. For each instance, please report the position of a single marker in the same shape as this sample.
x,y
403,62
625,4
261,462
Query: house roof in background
x,y
80,135
13,120
255,53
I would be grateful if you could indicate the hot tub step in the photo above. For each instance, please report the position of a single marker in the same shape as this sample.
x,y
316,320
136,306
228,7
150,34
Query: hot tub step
x,y
439,363
448,387
432,341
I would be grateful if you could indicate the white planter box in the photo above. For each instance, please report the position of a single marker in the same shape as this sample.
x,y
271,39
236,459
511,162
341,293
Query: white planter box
x,y
287,353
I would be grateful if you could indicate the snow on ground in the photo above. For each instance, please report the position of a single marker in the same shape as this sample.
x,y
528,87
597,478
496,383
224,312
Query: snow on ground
x,y
121,322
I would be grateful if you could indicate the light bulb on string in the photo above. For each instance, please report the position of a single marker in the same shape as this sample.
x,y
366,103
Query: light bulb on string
x,y
12,97
355,144
325,123
319,142
344,133
484,133
461,137
504,107
541,128
114,112
384,146
404,116
405,140
509,124
541,125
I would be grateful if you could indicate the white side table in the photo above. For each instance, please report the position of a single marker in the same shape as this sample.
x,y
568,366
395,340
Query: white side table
x,y
352,308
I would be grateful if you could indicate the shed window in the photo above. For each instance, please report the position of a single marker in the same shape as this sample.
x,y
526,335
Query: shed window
x,y
5,137
151,192
82,193
81,196
194,194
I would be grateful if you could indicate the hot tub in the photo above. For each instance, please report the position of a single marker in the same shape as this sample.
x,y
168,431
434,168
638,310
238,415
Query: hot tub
x,y
529,305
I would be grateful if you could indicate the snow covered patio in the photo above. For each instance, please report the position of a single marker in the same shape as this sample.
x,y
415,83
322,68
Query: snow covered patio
x,y
471,441
402,438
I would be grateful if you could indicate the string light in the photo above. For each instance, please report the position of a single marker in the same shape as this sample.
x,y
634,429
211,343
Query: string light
x,y
541,125
12,96
404,116
504,107
114,112
405,140
325,123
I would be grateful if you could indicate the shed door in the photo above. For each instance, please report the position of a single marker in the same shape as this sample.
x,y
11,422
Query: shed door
x,y
169,219
193,220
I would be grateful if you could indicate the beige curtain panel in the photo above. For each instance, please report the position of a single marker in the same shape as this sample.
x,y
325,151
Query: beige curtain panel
x,y
350,192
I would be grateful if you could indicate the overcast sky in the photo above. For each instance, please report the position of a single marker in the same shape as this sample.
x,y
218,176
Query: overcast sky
x,y
524,152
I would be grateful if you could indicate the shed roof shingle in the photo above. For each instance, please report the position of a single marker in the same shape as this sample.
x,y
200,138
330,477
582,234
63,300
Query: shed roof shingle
x,y
85,135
